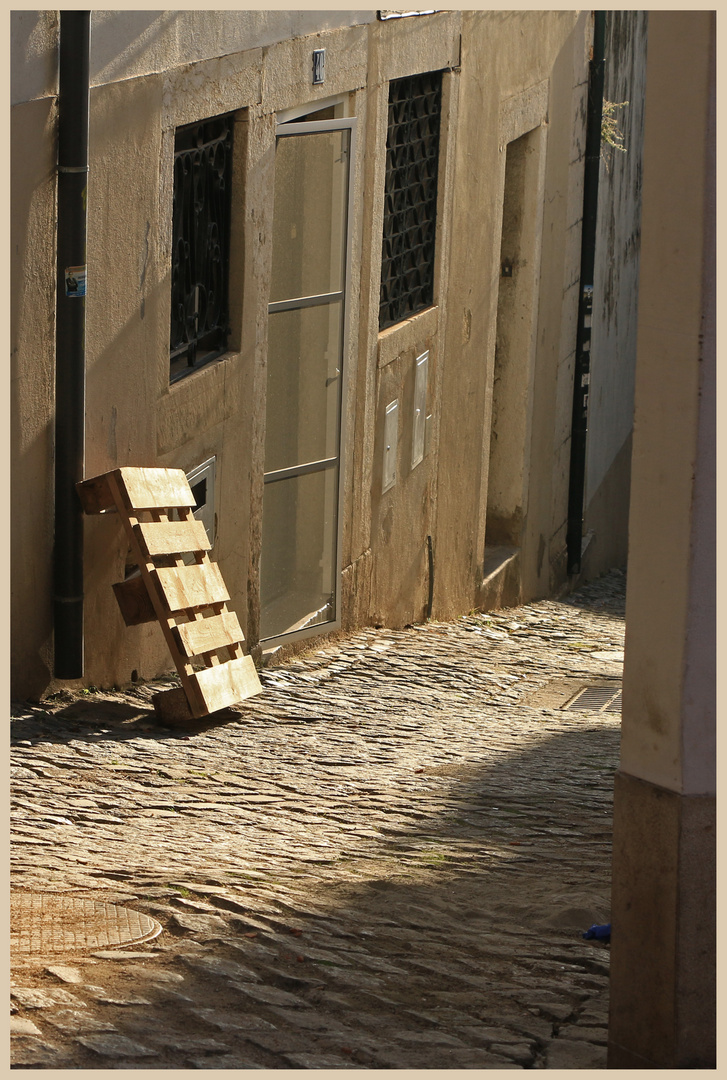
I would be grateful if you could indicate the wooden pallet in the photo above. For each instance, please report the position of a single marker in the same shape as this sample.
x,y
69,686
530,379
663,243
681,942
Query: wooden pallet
x,y
188,599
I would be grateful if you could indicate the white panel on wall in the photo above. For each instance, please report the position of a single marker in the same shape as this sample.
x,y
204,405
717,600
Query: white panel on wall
x,y
419,423
391,432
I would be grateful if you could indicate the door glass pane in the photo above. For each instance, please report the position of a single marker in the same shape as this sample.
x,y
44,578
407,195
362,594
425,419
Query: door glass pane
x,y
309,221
303,386
297,568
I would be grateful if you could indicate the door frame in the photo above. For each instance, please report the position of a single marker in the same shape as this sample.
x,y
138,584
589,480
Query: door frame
x,y
286,129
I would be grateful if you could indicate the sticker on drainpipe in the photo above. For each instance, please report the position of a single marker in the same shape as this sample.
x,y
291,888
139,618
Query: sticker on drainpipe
x,y
75,281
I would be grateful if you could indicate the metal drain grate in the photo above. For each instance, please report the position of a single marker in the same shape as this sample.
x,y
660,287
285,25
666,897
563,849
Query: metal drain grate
x,y
596,699
49,923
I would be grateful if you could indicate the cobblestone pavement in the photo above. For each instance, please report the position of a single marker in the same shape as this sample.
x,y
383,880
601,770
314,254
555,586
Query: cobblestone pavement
x,y
385,860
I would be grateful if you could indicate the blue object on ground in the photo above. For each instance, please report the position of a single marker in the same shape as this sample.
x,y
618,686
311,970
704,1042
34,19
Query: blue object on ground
x,y
600,933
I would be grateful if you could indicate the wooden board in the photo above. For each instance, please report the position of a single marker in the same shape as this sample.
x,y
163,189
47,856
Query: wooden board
x,y
192,586
172,707
228,683
96,495
154,489
134,602
171,537
162,592
204,635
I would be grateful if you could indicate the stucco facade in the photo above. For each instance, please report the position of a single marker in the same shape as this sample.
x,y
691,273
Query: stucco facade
x,y
663,975
616,295
481,518
467,505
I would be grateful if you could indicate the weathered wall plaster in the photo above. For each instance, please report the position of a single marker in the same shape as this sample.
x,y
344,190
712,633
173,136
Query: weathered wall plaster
x,y
505,74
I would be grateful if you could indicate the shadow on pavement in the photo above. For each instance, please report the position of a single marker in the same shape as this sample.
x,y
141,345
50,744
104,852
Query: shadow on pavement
x,y
96,719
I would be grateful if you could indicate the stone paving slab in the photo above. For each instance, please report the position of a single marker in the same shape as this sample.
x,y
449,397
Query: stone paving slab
x,y
385,860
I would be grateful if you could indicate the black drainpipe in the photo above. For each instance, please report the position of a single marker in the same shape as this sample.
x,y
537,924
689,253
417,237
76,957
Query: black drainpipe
x,y
579,427
70,388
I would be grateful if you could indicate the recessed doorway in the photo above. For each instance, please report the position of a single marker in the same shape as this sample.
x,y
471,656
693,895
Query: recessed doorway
x,y
307,317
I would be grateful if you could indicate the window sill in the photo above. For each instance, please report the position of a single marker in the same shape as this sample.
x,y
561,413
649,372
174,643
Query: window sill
x,y
413,333
186,377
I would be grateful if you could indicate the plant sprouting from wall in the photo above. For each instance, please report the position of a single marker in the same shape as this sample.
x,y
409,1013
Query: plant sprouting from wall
x,y
612,138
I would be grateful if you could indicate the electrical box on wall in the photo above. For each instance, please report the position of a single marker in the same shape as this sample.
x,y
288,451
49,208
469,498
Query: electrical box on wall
x,y
391,432
319,66
419,422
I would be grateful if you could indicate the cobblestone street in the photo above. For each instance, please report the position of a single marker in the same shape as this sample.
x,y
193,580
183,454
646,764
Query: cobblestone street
x,y
385,860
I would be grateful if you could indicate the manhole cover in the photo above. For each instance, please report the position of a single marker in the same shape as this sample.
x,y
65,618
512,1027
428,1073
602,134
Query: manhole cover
x,y
49,922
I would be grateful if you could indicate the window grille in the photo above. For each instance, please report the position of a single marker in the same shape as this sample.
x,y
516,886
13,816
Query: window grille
x,y
410,197
200,244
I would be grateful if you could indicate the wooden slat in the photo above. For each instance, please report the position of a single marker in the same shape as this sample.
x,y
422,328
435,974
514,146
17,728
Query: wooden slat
x,y
149,489
172,707
134,602
192,586
96,495
227,683
204,635
164,591
172,537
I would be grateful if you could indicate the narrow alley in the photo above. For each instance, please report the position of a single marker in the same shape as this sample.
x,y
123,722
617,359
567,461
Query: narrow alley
x,y
385,860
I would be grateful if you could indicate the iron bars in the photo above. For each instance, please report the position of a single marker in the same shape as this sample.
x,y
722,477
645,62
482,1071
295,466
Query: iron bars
x,y
410,197
200,244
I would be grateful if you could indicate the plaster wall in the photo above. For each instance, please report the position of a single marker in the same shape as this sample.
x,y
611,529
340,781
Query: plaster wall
x,y
670,382
662,1002
32,389
506,75
513,68
394,525
134,415
131,44
699,750
121,349
663,994
543,560
33,55
616,289
607,518
507,485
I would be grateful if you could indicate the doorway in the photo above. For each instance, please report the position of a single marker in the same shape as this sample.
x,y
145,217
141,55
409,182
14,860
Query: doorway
x,y
507,487
299,566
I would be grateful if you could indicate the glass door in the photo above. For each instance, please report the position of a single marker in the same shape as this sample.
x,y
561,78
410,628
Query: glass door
x,y
299,567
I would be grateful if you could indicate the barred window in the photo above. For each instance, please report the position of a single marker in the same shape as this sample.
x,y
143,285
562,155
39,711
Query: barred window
x,y
200,244
410,197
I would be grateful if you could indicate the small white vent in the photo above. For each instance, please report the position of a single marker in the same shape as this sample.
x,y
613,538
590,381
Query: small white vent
x,y
202,482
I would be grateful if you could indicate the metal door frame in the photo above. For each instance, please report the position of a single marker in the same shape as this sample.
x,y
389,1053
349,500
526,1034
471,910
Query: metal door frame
x,y
284,130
